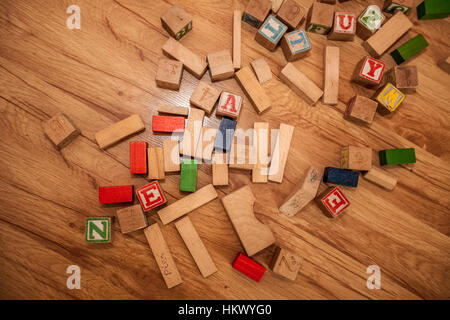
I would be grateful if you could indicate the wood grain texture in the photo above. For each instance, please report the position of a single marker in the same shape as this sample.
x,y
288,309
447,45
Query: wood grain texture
x,y
105,72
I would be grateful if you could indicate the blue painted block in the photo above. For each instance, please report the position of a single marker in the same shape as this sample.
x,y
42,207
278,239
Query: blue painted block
x,y
272,29
342,177
254,22
225,133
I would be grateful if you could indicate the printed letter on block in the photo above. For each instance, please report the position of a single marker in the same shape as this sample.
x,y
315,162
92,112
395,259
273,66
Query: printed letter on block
x,y
98,230
150,196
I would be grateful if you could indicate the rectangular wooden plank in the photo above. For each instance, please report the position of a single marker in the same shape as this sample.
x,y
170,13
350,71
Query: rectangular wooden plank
x,y
331,76
138,157
381,177
119,130
206,144
170,109
192,132
253,89
167,124
280,152
248,267
237,39
219,169
171,150
261,150
188,176
300,84
115,194
155,163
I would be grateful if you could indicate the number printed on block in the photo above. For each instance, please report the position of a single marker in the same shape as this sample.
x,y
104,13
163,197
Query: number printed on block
x,y
270,33
334,201
295,44
390,97
150,196
372,69
371,18
229,105
98,230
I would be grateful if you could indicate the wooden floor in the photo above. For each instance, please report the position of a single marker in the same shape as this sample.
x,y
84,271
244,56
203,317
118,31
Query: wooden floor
x,y
105,72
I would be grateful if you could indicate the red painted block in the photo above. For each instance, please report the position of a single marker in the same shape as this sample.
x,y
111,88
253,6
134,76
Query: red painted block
x,y
116,194
167,124
150,196
138,157
333,201
248,267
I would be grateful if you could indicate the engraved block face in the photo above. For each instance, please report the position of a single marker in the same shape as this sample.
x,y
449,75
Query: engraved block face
x,y
371,18
183,31
335,202
272,29
372,69
150,196
344,22
169,74
229,105
98,230
317,28
298,41
390,97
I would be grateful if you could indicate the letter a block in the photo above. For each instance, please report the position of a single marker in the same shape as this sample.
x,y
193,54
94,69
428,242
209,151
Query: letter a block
x,y
229,105
369,71
270,33
256,12
389,98
369,21
248,267
150,196
176,21
320,18
344,27
333,202
295,45
98,230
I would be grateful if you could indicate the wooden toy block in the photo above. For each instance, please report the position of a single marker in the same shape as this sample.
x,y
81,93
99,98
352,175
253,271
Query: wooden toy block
x,y
205,96
261,69
343,177
433,9
392,6
331,75
444,64
409,49
115,194
397,156
404,78
225,133
119,130
295,45
253,89
155,158
187,204
196,247
98,230
242,155
261,150
191,61
389,99
285,263
192,132
254,235
369,21
169,74
256,12
171,155
131,218
138,157
219,169
300,84
206,144
237,39
176,21
220,65
280,153
167,124
369,71
188,179
270,33
388,34
320,18
179,111
229,105
356,158
291,13
344,26
361,110
150,196
60,130
333,202
248,267
381,177
162,255
303,193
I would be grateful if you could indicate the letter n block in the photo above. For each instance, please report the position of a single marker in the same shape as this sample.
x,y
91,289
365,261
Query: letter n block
x,y
333,202
389,99
176,21
320,18
344,27
150,196
98,230
270,33
248,267
229,105
369,71
295,45
256,12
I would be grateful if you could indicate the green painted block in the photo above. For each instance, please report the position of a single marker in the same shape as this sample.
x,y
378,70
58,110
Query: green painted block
x,y
433,9
409,49
397,156
188,180
98,230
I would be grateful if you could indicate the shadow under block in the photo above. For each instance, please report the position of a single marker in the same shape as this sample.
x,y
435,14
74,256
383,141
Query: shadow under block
x,y
361,109
188,179
60,130
219,169
138,157
98,230
176,21
196,247
332,202
155,156
261,150
187,204
261,69
131,218
444,64
206,144
344,26
270,33
162,255
320,18
280,153
381,178
175,110
115,194
356,158
300,84
303,193
285,264
169,74
119,130
171,155
237,35
295,45
404,78
433,9
192,132
397,156
248,267
409,49
253,89
205,96
230,105
388,34
291,13
331,76
220,65
191,61
256,12
389,99
369,21
167,124
150,196
369,71
343,177
254,235
225,133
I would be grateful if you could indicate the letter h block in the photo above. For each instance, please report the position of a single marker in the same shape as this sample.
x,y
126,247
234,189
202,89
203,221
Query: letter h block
x,y
270,33
344,27
295,45
369,71
333,202
98,230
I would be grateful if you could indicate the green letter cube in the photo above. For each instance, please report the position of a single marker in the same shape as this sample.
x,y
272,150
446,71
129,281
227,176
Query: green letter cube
x,y
188,180
98,230
397,156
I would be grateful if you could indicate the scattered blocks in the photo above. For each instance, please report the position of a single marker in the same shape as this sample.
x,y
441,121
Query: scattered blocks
x,y
155,158
444,64
237,39
98,230
404,78
60,130
205,96
167,124
291,13
270,33
333,202
397,156
253,89
220,65
344,27
225,133
433,9
369,21
179,111
280,153
171,155
320,18
168,74
300,84
138,157
361,109
248,267
342,177
150,196
192,132
381,177
295,45
285,264
206,144
409,49
256,12
188,179
356,158
261,69
176,21
115,194
219,169
131,218
389,99
229,105
392,6
118,131
331,76
369,71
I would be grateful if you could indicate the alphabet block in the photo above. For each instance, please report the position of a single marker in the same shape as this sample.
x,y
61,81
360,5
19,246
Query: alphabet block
x,y
409,49
397,156
261,150
176,21
206,144
118,131
179,111
369,21
98,230
191,61
295,45
270,33
188,180
369,71
237,39
115,194
381,177
280,153
291,13
168,74
342,177
60,130
150,196
356,158
167,124
331,77
220,65
229,105
392,6
205,96
219,169
344,26
361,110
171,155
433,9
333,202
320,18
192,132
155,163
261,69
285,264
225,133
389,99
131,218
256,12
300,84
444,64
253,89
138,157
404,78
248,267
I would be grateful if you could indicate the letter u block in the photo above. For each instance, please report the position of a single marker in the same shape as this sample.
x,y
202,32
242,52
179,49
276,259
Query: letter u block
x,y
270,33
369,71
295,45
389,99
344,27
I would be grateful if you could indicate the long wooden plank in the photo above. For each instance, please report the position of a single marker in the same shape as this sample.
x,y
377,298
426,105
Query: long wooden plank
x,y
331,75
167,108
300,84
171,150
119,130
280,153
237,14
253,89
192,132
261,150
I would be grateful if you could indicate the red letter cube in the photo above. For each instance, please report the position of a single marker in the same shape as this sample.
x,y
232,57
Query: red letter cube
x,y
332,201
150,196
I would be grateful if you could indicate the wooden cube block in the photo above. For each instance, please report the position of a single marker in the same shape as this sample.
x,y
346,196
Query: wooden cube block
x,y
397,156
361,109
369,71
285,263
170,109
409,49
261,69
291,13
276,5
60,130
171,150
404,78
331,75
150,196
253,89
98,230
131,218
344,26
295,45
256,12
381,177
342,177
115,194
167,124
444,64
220,65
248,267
392,6
320,18
176,21
333,202
300,84
229,105
270,33
169,73
369,21
205,96
119,130
389,99
188,180
191,61
433,9
155,158
206,144
225,133
356,158
138,157
219,169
